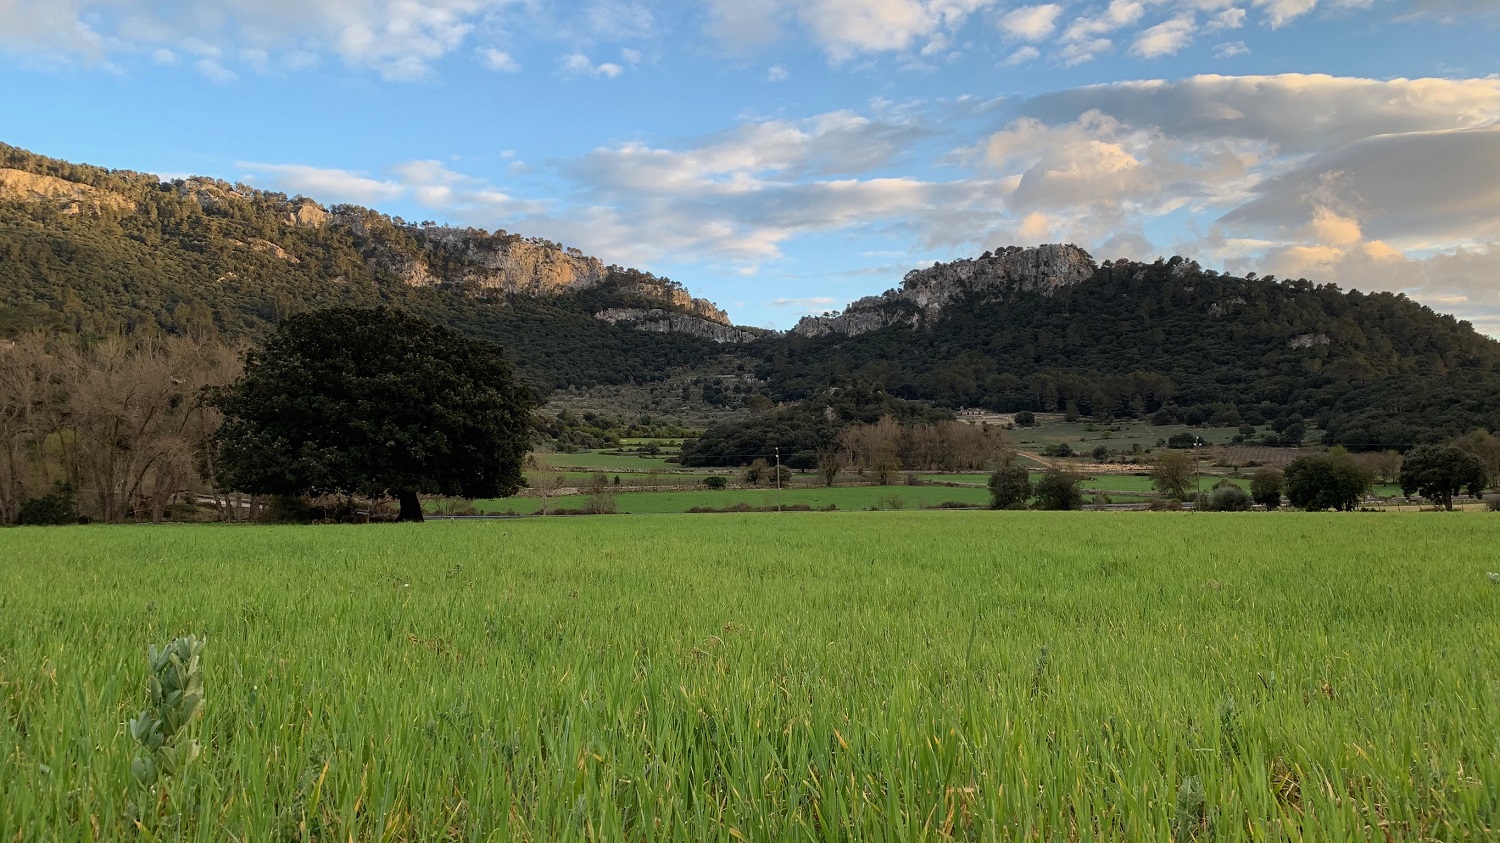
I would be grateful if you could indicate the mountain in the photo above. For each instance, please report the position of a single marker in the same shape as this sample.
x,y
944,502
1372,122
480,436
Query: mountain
x,y
1046,329
95,251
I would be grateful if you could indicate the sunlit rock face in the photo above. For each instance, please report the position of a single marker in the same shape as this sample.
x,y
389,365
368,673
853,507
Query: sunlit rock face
x,y
925,292
671,322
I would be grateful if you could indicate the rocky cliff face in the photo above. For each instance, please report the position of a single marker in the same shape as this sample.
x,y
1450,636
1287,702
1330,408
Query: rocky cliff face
x,y
72,197
671,322
925,292
499,262
426,255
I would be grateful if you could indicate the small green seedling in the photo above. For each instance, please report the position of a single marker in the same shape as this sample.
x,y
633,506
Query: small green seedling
x,y
175,696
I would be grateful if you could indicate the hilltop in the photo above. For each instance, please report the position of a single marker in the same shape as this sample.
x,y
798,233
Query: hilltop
x,y
93,251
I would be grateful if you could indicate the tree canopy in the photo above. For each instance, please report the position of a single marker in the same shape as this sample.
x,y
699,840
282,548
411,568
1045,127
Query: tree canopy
x,y
1438,472
374,402
1326,481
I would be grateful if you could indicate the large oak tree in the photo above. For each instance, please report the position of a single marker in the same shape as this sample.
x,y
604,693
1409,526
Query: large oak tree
x,y
374,402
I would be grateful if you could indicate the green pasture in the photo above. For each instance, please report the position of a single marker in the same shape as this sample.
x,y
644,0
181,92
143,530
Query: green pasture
x,y
807,677
609,462
817,497
1078,435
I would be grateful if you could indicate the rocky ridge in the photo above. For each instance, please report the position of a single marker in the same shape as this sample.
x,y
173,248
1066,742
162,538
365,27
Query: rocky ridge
x,y
924,293
72,197
672,322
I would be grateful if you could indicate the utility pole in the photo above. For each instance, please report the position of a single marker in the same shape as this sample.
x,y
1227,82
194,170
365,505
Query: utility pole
x,y
778,479
1197,473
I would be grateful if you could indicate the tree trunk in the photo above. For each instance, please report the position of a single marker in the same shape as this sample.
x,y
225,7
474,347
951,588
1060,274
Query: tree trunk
x,y
411,508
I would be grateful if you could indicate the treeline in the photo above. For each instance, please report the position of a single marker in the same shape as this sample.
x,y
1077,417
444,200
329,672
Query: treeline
x,y
115,430
886,447
1180,343
804,431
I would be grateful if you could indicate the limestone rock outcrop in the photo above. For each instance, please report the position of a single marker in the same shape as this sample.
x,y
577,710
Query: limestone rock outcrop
x,y
924,293
673,322
71,196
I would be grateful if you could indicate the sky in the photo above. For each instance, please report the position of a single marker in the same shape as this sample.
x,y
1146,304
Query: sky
x,y
784,157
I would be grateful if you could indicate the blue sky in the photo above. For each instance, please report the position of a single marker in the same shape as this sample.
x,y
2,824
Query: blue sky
x,y
783,157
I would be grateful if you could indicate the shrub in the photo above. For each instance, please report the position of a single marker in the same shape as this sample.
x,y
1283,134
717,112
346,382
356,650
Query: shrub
x,y
1026,418
1058,490
1265,487
1228,497
1009,486
1182,440
715,482
55,508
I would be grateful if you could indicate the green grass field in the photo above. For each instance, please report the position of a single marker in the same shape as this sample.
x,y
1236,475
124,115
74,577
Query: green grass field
x,y
817,497
591,460
844,676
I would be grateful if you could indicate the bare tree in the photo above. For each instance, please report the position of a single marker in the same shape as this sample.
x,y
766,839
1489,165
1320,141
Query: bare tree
x,y
830,463
30,411
140,428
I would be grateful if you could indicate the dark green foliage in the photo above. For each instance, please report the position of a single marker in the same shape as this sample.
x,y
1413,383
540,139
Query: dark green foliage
x,y
1174,343
1326,481
55,508
1026,418
715,482
1182,440
1058,449
1266,487
1058,490
1010,487
1438,472
802,431
374,402
1228,497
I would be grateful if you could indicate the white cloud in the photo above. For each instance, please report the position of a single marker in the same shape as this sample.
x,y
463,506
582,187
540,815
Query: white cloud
x,y
1418,190
846,28
330,186
214,70
1230,49
815,304
1031,23
1364,183
1118,14
1165,39
1023,55
1453,11
1232,18
1295,113
1281,12
777,73
578,64
1078,52
399,39
498,60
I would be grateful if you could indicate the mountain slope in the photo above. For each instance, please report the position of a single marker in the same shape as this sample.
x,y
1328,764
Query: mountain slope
x,y
93,251
1168,339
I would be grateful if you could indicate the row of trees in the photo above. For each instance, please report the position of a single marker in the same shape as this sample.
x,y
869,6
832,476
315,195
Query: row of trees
x,y
886,447
119,424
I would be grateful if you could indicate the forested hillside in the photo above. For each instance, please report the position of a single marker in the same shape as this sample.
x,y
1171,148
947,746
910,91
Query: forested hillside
x,y
90,252
94,252
1176,342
